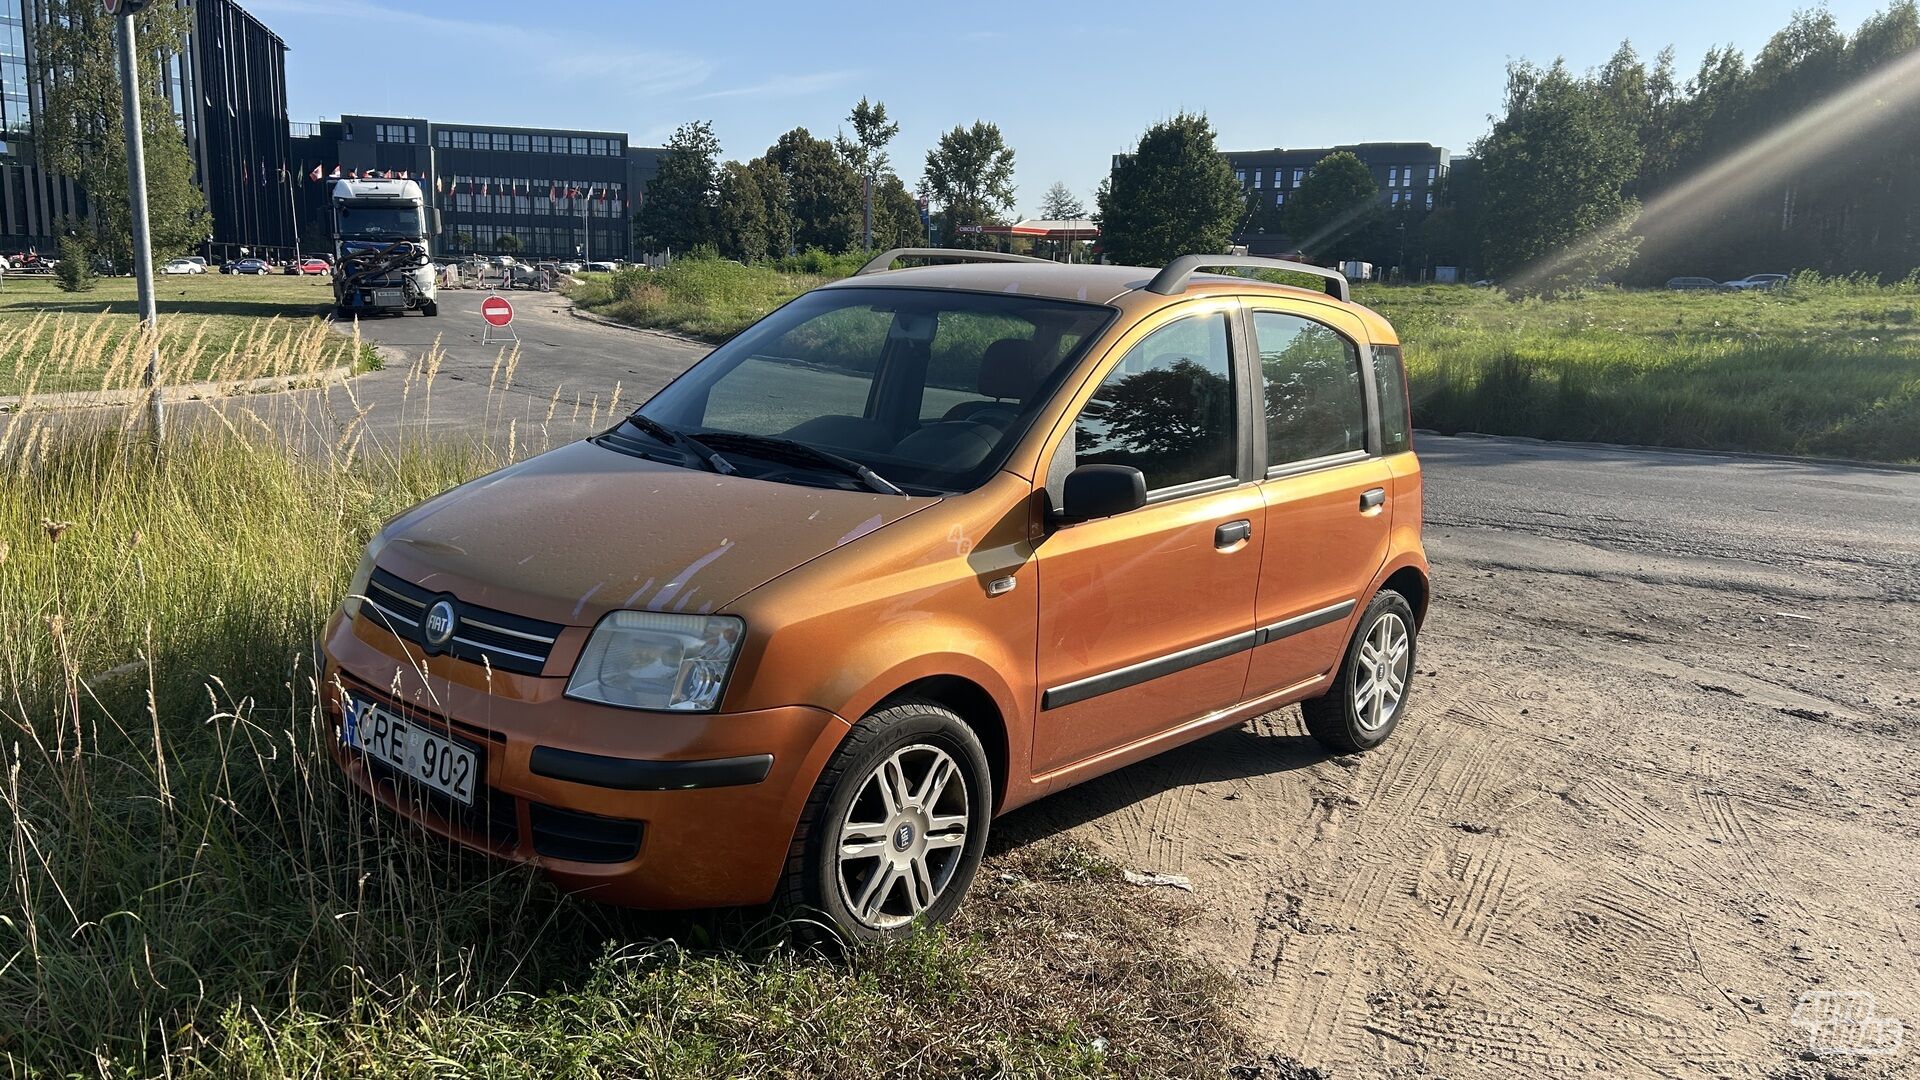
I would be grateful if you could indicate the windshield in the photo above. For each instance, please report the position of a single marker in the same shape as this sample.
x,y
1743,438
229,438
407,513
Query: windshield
x,y
376,222
928,389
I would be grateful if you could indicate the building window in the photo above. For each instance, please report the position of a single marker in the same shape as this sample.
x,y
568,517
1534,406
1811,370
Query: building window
x,y
1257,176
462,140
1433,173
1429,200
579,146
1298,176
539,144
1279,198
442,138
522,143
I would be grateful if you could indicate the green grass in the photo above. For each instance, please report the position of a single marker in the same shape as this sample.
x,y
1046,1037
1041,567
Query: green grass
x,y
1827,368
212,326
1817,368
191,888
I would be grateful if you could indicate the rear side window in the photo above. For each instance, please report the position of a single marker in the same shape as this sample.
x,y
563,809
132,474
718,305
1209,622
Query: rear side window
x,y
1390,382
1313,398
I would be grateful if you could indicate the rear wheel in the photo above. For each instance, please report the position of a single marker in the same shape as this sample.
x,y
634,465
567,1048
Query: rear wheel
x,y
430,309
1369,693
895,828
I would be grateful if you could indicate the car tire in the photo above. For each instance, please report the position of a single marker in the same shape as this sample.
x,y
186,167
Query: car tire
x,y
918,854
429,310
1361,709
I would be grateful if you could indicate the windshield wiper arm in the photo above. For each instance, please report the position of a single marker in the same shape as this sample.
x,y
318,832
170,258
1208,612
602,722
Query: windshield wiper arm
x,y
672,437
790,449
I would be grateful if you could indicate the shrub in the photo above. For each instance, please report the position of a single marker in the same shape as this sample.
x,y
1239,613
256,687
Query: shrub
x,y
74,271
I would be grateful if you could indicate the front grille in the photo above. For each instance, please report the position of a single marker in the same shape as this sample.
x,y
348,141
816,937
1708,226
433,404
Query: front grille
x,y
578,837
500,640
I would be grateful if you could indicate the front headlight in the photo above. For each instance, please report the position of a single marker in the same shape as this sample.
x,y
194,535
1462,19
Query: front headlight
x,y
357,588
649,660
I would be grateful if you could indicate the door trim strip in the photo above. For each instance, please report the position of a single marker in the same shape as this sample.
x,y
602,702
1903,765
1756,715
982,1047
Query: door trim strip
x,y
1146,670
1300,624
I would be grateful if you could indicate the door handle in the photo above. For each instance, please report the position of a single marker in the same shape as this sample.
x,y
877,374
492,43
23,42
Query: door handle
x,y
1233,532
1371,498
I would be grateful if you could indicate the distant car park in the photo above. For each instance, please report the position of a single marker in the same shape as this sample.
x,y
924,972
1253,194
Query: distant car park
x,y
1685,284
1757,281
183,266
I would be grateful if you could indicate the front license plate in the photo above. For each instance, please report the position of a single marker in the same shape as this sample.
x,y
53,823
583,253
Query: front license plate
x,y
389,298
412,749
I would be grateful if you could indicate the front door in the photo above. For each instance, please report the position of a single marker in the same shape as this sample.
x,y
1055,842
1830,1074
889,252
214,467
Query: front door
x,y
1327,492
1146,618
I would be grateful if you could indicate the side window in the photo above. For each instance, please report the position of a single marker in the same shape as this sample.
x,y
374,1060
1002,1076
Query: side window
x,y
1167,408
1313,398
1390,386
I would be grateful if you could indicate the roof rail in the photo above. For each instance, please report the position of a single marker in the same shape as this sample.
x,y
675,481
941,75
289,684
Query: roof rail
x,y
1172,279
885,259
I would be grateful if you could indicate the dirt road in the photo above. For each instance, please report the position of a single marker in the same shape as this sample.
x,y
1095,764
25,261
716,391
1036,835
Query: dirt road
x,y
1659,779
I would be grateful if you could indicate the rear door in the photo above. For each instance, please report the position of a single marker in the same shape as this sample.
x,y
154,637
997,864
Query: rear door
x,y
1325,487
1146,618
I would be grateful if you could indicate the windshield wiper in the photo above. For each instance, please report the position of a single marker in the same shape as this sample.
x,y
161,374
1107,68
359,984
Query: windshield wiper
x,y
793,452
701,451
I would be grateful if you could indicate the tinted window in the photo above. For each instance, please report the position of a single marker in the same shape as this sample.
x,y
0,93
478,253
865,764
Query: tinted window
x,y
1390,382
1167,407
1313,397
930,389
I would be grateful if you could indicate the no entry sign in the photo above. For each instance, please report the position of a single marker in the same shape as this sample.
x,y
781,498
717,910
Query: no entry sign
x,y
496,310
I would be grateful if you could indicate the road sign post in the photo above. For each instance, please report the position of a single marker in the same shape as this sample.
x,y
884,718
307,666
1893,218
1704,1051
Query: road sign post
x,y
121,11
498,313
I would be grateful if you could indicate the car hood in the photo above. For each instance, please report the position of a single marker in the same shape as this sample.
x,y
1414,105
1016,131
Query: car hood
x,y
583,530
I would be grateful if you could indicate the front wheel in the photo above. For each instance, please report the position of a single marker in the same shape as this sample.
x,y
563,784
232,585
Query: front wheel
x,y
895,828
1369,694
430,310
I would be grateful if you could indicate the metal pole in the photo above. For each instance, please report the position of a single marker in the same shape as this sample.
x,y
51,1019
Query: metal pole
x,y
867,217
137,205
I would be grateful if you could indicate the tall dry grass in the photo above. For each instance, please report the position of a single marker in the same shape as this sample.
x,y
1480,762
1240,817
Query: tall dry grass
x,y
190,888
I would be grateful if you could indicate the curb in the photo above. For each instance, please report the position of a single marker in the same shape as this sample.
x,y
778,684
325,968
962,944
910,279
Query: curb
x,y
602,320
1636,448
96,399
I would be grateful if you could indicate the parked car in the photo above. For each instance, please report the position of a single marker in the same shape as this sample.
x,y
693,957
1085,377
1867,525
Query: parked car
x,y
805,622
314,266
245,266
602,267
1757,281
569,267
1692,284
183,266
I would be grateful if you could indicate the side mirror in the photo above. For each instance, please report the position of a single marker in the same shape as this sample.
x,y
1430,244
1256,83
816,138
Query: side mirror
x,y
1099,491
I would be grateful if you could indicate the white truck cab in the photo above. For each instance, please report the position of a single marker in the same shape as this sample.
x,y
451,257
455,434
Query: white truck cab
x,y
381,234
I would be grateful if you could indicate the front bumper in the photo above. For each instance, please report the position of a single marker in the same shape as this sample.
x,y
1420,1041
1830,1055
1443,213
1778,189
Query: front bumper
x,y
656,810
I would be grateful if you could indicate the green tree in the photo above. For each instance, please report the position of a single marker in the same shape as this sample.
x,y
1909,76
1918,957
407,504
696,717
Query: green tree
x,y
1174,195
508,243
970,175
752,217
1335,207
78,131
1554,169
823,191
1061,204
896,215
866,152
677,213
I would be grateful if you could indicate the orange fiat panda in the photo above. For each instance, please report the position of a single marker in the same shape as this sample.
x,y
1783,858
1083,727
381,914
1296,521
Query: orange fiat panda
x,y
917,548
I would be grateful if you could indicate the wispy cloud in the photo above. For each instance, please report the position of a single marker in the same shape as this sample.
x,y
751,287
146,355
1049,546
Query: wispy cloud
x,y
784,86
562,60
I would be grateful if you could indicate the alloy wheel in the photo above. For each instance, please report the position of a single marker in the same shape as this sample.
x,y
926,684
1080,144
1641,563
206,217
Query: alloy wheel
x,y
1380,678
904,836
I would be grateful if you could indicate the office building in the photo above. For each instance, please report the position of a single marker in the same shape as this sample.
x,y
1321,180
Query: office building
x,y
228,89
560,193
1408,176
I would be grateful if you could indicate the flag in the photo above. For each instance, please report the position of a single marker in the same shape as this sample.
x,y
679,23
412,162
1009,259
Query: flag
x,y
244,178
315,174
553,193
388,175
334,175
263,173
404,176
437,189
484,185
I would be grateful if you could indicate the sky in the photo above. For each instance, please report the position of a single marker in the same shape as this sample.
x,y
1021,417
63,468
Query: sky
x,y
1069,84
